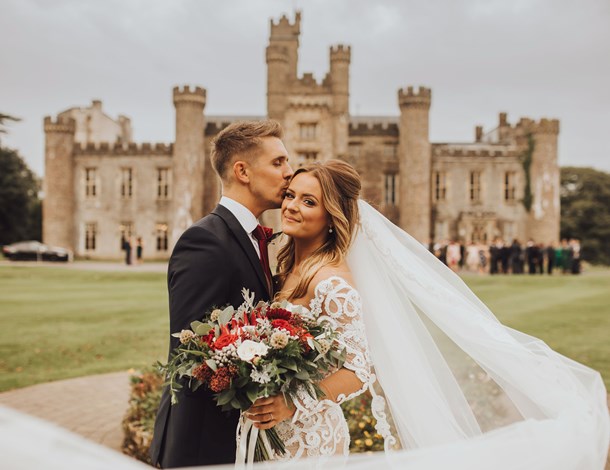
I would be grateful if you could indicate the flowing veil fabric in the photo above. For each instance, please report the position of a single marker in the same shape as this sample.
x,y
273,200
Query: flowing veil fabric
x,y
462,391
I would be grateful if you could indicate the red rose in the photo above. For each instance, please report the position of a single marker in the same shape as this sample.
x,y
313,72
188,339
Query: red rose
x,y
283,324
224,340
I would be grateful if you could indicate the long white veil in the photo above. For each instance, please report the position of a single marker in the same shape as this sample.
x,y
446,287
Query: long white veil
x,y
464,390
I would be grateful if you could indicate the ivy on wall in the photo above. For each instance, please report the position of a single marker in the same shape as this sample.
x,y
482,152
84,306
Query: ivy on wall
x,y
526,162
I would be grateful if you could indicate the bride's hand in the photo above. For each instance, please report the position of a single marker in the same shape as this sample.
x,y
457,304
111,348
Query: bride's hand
x,y
267,412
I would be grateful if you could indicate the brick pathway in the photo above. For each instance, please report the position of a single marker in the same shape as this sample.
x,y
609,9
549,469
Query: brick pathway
x,y
92,406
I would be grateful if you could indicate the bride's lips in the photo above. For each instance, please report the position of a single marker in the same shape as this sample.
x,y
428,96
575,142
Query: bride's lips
x,y
289,219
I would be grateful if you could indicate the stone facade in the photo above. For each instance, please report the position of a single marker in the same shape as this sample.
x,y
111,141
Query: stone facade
x,y
101,188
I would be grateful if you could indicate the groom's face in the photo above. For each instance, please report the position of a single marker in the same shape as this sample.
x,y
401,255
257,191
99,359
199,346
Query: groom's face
x,y
270,173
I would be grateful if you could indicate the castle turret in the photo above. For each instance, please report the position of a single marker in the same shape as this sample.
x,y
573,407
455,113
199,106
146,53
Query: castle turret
x,y
339,81
58,203
188,158
415,162
544,217
282,58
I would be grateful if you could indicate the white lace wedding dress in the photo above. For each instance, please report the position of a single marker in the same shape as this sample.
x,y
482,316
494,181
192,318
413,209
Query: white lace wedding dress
x,y
318,427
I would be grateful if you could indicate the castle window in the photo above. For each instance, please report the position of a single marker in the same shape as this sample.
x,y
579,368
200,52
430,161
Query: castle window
x,y
307,130
389,151
163,189
391,189
440,186
126,229
90,182
90,236
475,186
509,185
305,158
126,183
161,236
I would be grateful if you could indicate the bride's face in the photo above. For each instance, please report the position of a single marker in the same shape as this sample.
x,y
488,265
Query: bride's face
x,y
303,213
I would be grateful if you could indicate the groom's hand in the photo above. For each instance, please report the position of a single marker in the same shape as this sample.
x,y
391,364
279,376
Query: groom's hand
x,y
267,412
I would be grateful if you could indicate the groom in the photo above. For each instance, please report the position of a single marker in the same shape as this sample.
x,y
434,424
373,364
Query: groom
x,y
212,262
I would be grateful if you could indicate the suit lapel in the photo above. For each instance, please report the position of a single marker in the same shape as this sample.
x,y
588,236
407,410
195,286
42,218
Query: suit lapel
x,y
244,240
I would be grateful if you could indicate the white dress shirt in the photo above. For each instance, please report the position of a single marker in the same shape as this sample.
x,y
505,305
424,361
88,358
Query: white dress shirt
x,y
245,218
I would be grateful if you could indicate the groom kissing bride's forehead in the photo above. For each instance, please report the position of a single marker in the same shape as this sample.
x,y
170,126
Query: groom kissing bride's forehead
x,y
445,374
212,262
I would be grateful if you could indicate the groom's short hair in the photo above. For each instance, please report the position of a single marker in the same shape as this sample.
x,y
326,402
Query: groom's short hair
x,y
241,138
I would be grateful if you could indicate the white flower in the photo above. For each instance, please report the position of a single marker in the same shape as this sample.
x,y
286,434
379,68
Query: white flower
x,y
249,349
215,314
186,336
262,376
279,339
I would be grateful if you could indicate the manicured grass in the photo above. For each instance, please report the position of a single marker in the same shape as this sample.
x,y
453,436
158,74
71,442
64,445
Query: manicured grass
x,y
57,323
570,313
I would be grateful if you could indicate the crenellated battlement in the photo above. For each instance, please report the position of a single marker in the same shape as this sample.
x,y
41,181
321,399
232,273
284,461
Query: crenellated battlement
x,y
124,149
310,101
474,151
186,94
283,29
372,127
543,126
340,52
421,97
59,124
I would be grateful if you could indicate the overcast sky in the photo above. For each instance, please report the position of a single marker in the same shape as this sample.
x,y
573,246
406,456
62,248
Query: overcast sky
x,y
530,58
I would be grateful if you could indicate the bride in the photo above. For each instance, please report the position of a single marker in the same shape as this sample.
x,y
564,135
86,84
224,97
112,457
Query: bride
x,y
451,386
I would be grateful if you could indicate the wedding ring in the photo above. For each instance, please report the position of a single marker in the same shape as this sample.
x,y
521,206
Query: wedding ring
x,y
271,414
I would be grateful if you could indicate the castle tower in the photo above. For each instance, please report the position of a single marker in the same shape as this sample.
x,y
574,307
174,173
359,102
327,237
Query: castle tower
x,y
282,58
188,158
59,184
415,163
340,57
544,217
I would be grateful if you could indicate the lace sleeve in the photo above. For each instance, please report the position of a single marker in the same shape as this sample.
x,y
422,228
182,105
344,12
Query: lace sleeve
x,y
338,302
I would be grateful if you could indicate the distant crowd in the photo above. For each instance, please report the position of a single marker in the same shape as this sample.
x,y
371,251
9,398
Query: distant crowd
x,y
511,258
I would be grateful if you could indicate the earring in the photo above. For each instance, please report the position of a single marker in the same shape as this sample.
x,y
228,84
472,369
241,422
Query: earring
x,y
330,230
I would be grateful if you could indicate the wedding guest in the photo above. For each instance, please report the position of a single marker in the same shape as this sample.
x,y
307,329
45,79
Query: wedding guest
x,y
566,256
516,257
139,249
505,257
453,255
575,244
550,258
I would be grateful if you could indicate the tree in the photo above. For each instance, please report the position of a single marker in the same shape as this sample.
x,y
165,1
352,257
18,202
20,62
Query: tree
x,y
585,211
20,206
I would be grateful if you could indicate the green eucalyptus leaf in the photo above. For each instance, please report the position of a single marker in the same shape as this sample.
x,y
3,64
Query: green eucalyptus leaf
x,y
202,329
211,364
226,315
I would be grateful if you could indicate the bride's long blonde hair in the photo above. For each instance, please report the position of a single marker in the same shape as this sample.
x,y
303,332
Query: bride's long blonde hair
x,y
341,186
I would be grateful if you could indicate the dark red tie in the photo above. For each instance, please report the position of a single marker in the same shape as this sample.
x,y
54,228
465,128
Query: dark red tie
x,y
263,235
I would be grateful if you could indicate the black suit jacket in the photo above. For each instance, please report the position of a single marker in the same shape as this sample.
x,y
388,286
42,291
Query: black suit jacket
x,y
211,263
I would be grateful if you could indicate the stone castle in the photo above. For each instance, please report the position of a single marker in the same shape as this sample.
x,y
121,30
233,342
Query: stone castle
x,y
101,187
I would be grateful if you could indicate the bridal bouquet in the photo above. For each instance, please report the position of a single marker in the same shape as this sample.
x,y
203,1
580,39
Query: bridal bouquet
x,y
255,351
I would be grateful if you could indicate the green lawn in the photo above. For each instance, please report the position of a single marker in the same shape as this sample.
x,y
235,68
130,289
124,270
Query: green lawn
x,y
57,323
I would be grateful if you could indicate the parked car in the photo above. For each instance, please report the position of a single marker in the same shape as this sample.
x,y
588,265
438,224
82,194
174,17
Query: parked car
x,y
32,250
